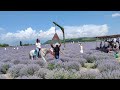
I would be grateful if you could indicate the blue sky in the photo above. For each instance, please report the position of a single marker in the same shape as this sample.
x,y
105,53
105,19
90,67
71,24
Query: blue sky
x,y
14,21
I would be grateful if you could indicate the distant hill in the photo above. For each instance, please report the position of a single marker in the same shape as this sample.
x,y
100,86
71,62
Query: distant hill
x,y
83,39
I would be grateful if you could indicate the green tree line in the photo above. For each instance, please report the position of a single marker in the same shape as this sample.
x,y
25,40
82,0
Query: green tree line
x,y
4,45
84,39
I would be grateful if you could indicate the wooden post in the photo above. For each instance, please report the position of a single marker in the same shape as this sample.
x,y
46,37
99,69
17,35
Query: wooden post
x,y
64,40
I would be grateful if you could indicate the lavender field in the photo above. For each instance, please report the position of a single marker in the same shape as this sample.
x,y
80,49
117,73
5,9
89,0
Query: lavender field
x,y
92,64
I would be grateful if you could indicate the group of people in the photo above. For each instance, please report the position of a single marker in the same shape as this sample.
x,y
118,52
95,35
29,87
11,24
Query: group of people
x,y
56,49
110,45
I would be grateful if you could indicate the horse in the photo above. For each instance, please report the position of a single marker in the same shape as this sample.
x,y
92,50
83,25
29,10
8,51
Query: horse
x,y
42,52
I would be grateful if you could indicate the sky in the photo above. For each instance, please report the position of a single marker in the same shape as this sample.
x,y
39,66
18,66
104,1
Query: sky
x,y
29,25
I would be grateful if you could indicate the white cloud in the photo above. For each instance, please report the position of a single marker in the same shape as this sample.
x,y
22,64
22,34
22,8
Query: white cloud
x,y
70,32
86,31
116,15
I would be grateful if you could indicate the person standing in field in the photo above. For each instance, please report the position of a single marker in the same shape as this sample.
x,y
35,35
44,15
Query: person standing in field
x,y
81,48
56,49
100,44
38,47
117,44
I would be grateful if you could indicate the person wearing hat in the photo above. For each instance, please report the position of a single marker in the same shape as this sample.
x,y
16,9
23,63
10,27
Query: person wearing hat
x,y
56,49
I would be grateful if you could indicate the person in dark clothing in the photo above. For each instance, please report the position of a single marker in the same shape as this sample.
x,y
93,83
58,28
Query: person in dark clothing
x,y
56,50
100,44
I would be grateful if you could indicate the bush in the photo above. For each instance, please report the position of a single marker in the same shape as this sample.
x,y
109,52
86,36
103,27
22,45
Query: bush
x,y
82,61
115,74
90,59
40,63
24,62
2,77
28,77
71,65
26,44
29,70
108,65
4,45
65,59
51,66
14,71
90,65
42,72
4,67
15,61
87,74
60,74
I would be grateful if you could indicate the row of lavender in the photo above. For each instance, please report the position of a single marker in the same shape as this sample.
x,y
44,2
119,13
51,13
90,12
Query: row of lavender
x,y
70,66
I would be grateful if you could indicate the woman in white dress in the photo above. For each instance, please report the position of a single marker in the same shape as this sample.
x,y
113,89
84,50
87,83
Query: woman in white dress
x,y
81,48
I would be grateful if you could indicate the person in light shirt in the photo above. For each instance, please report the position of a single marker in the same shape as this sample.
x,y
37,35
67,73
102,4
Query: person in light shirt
x,y
38,47
81,48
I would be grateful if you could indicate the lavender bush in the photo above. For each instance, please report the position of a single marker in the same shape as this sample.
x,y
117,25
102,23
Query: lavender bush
x,y
2,76
87,74
28,77
41,73
60,74
29,70
14,71
71,65
108,66
4,67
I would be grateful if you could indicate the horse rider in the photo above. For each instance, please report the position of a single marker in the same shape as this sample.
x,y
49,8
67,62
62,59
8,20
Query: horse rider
x,y
38,47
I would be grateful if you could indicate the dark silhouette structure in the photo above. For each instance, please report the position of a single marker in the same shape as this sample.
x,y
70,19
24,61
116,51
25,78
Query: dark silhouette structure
x,y
20,43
